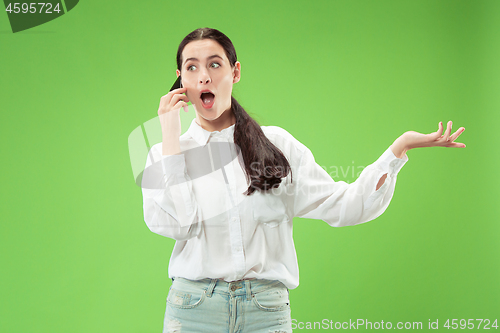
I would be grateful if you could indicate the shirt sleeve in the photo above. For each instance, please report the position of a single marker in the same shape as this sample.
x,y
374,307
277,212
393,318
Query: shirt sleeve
x,y
170,208
318,196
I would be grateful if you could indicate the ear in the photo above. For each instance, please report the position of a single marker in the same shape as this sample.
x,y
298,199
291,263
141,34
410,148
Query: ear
x,y
237,72
178,72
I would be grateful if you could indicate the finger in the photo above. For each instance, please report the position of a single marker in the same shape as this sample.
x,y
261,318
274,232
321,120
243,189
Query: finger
x,y
180,105
178,91
173,104
440,128
174,108
448,131
455,145
177,98
166,99
457,134
435,136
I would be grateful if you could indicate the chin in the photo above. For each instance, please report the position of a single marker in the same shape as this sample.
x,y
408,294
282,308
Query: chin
x,y
207,114
208,118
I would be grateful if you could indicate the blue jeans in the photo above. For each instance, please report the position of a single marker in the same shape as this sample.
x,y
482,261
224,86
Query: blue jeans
x,y
212,305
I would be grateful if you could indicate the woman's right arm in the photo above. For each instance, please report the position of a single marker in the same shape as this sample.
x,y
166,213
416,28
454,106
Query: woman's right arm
x,y
168,112
170,208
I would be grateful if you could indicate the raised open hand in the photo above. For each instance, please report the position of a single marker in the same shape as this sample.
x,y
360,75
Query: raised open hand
x,y
417,140
411,139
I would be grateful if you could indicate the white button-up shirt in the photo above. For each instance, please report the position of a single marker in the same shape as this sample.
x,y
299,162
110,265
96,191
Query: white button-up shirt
x,y
197,199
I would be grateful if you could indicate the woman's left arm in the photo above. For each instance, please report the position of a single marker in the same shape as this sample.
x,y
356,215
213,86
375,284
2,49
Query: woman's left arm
x,y
411,139
318,196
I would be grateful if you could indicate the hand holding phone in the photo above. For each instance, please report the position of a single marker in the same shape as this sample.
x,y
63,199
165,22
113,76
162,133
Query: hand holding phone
x,y
169,116
178,85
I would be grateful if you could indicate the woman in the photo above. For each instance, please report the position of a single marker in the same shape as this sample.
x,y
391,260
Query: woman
x,y
227,191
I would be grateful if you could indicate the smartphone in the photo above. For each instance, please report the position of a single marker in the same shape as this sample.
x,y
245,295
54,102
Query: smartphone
x,y
177,83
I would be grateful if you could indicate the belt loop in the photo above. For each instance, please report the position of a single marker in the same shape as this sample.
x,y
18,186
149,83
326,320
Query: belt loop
x,y
249,291
211,287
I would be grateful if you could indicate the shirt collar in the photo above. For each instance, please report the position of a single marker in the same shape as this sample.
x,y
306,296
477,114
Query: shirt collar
x,y
201,135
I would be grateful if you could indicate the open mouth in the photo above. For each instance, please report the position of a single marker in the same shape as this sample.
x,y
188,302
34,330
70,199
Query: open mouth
x,y
207,99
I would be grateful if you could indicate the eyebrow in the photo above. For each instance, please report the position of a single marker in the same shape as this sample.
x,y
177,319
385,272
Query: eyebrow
x,y
212,56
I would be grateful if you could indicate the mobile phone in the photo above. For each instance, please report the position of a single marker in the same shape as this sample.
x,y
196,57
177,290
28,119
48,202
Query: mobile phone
x,y
177,83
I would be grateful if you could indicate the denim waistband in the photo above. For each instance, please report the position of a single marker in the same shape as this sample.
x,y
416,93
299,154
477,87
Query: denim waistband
x,y
236,288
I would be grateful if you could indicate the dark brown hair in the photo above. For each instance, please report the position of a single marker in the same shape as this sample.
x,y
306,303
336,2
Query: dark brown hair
x,y
265,164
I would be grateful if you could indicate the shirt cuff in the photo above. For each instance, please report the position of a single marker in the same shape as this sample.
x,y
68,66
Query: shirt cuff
x,y
173,164
389,161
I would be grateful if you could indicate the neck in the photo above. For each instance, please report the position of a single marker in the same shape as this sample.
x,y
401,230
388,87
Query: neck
x,y
225,120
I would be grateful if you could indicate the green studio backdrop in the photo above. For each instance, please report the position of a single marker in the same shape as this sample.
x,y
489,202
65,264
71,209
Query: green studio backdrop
x,y
346,78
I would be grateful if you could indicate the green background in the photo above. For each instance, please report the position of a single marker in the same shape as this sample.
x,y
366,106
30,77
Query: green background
x,y
346,78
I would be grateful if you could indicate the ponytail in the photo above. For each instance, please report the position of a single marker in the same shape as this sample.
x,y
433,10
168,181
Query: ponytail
x,y
265,164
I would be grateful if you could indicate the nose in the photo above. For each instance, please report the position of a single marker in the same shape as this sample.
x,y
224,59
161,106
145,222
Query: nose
x,y
204,78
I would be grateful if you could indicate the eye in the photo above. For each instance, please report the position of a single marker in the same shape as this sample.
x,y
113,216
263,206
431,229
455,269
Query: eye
x,y
215,65
191,68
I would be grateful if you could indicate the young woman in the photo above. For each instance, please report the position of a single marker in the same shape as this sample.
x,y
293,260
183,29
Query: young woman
x,y
228,189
